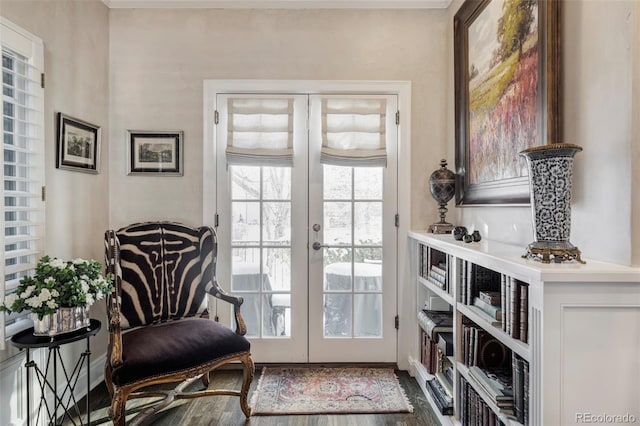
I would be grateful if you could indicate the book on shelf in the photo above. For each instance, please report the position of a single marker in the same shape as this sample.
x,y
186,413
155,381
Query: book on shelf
x,y
515,308
439,270
435,322
493,311
463,281
440,284
429,353
524,312
448,374
424,260
423,347
490,297
443,402
446,384
525,395
504,302
520,384
445,343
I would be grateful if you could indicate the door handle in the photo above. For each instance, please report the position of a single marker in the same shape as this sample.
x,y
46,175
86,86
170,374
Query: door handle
x,y
317,246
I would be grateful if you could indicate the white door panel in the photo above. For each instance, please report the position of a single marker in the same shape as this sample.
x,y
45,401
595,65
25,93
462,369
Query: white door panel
x,y
352,274
261,257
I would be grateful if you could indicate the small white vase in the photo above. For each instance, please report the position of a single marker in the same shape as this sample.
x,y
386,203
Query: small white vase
x,y
64,320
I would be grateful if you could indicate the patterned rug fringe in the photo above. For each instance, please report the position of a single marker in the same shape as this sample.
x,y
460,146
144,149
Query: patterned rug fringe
x,y
315,390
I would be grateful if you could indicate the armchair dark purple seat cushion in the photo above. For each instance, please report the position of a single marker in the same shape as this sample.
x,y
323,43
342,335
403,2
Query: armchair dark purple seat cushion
x,y
175,346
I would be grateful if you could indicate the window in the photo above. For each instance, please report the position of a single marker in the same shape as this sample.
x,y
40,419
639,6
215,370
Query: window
x,y
23,146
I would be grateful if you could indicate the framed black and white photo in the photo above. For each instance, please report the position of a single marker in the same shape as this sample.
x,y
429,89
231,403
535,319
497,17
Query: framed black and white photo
x,y
78,145
155,152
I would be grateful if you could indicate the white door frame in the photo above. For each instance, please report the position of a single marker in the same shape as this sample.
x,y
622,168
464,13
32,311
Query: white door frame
x,y
400,88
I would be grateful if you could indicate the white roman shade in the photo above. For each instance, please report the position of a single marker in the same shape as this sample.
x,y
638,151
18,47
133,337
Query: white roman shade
x,y
260,131
354,132
22,219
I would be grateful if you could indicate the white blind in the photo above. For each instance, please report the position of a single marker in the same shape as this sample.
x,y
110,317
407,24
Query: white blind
x,y
23,147
260,131
353,132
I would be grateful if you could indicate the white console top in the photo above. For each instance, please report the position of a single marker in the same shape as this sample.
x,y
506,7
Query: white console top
x,y
507,258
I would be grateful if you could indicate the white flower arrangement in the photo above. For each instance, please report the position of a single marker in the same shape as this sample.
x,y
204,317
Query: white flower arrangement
x,y
59,283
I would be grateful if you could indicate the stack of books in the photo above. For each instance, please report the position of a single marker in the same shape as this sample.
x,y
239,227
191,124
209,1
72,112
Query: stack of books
x,y
497,384
488,306
433,267
434,323
443,400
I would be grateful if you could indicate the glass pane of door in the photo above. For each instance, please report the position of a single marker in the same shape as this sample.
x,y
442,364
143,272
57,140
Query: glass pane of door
x,y
261,247
352,258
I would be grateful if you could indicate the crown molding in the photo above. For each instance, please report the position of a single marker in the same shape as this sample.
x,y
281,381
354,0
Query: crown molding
x,y
277,4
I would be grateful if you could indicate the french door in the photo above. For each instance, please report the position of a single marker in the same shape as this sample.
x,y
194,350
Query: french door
x,y
309,245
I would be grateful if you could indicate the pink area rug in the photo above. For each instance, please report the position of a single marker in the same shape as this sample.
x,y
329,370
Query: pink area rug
x,y
299,390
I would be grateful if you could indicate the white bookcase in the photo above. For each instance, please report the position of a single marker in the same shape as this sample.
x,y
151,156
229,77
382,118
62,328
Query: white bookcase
x,y
583,335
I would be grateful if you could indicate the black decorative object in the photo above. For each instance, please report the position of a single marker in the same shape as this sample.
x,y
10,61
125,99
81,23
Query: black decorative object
x,y
467,238
476,236
459,232
550,175
442,184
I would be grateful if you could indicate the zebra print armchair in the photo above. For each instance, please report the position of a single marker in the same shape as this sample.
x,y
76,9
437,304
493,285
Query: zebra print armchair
x,y
159,331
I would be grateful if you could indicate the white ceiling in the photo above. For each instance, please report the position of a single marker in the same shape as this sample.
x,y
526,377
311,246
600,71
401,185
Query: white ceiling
x,y
280,4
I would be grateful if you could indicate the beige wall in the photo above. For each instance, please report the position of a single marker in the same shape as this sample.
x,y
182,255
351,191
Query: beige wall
x,y
159,59
76,67
635,138
597,86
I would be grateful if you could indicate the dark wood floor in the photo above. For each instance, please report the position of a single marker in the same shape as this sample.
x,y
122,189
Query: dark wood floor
x,y
225,411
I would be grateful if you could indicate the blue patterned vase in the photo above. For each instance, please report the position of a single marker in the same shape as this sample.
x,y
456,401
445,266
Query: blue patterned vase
x,y
550,176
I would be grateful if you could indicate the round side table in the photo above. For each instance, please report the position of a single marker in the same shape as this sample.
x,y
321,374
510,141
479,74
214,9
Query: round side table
x,y
48,383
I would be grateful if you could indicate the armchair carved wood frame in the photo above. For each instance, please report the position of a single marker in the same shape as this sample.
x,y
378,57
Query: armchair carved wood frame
x,y
159,331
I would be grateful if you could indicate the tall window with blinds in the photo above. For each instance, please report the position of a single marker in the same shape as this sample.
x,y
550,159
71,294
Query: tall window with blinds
x,y
22,219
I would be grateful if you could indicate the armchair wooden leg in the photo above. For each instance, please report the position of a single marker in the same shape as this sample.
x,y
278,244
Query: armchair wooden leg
x,y
247,378
108,381
117,412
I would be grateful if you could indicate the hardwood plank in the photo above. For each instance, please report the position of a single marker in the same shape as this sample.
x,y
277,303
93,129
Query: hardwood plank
x,y
225,410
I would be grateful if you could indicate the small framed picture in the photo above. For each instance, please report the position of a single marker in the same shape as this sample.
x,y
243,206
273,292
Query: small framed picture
x,y
78,145
155,152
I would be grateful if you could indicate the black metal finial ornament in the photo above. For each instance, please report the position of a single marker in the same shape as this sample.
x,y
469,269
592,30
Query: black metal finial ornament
x,y
442,184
